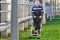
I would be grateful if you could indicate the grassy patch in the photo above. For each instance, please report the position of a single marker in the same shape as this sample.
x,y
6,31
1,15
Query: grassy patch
x,y
50,31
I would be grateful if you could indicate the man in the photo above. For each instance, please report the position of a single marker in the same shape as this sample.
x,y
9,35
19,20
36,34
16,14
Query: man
x,y
37,15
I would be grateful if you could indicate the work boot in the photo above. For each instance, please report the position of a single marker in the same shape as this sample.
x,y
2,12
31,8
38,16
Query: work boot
x,y
39,32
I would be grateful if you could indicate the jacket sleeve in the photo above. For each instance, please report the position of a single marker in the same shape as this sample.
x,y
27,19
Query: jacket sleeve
x,y
42,11
33,12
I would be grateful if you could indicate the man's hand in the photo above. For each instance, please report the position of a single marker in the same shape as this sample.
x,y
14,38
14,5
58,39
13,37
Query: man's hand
x,y
34,16
40,16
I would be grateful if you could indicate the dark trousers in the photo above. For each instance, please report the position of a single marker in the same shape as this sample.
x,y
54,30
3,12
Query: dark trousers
x,y
37,23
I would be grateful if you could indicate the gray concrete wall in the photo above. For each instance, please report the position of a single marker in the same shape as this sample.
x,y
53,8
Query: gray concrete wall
x,y
9,14
4,7
23,12
9,9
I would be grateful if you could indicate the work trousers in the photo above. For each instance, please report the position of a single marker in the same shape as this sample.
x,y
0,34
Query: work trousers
x,y
37,23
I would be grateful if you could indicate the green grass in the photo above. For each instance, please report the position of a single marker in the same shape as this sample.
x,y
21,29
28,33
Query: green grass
x,y
50,31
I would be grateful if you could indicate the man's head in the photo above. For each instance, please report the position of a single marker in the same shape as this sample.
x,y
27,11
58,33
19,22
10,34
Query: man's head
x,y
37,3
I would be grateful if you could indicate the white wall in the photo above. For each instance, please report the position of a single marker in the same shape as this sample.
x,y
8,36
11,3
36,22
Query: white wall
x,y
9,9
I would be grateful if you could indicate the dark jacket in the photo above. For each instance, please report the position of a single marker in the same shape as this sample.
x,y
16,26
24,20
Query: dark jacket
x,y
37,11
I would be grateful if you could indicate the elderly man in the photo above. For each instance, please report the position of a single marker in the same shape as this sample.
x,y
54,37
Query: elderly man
x,y
37,15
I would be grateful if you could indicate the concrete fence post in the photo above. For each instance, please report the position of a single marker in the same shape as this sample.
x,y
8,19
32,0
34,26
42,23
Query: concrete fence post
x,y
14,20
44,18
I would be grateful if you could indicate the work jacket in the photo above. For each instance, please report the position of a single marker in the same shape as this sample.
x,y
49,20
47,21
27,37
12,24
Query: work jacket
x,y
37,11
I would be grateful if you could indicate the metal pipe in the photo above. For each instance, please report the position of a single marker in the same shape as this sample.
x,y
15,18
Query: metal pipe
x,y
14,20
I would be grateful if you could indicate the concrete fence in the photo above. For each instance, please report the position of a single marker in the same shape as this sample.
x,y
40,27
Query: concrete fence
x,y
6,27
24,16
24,10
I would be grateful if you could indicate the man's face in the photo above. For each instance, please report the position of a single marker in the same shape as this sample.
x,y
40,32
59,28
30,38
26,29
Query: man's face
x,y
37,3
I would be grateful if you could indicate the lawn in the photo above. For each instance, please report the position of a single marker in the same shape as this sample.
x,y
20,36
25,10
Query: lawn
x,y
50,31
